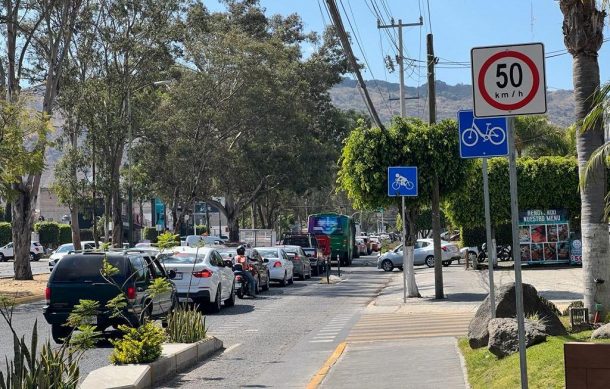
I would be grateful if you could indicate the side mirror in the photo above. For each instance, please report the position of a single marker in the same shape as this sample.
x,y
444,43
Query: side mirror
x,y
265,260
171,274
228,263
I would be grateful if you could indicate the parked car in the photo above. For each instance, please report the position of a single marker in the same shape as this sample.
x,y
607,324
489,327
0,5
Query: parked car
x,y
194,240
302,266
375,243
367,241
65,249
423,255
7,252
201,277
260,271
77,277
281,268
310,247
361,246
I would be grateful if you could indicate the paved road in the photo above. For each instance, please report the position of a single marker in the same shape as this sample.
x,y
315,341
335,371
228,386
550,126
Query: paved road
x,y
278,327
38,267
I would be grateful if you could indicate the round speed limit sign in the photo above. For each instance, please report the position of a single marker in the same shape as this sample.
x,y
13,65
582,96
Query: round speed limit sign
x,y
508,80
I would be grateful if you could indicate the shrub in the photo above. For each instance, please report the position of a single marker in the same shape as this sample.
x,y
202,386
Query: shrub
x,y
5,233
48,233
186,325
150,233
476,236
201,230
138,345
65,233
86,234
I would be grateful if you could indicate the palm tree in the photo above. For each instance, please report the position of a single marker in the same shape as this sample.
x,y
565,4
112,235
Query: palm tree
x,y
583,25
536,136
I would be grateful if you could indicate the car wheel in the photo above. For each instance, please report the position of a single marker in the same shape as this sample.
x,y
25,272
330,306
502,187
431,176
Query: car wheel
x,y
446,263
302,276
215,306
32,257
284,280
430,261
291,280
472,257
400,268
2,258
266,286
387,265
60,333
257,288
231,300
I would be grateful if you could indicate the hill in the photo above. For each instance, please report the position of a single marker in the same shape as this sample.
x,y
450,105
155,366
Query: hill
x,y
449,99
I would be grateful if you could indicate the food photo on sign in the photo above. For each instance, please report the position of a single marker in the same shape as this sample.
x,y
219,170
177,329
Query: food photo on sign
x,y
550,251
539,233
563,250
524,234
526,253
537,252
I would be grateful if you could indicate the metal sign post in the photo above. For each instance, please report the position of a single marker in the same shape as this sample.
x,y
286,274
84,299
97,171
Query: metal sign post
x,y
490,246
404,252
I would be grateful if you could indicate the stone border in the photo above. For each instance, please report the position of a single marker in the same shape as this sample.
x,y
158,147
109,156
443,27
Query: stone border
x,y
174,358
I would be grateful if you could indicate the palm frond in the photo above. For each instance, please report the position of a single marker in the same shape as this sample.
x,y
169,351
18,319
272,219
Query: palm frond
x,y
596,161
600,101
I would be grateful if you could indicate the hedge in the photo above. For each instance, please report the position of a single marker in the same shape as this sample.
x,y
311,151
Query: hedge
x,y
86,234
6,234
150,234
200,229
48,233
65,234
476,236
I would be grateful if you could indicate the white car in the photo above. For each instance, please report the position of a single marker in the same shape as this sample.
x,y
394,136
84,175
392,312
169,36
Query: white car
x,y
423,255
65,249
281,268
195,240
7,252
201,276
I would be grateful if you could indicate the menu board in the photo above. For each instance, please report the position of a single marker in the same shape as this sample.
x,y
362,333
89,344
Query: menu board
x,y
544,235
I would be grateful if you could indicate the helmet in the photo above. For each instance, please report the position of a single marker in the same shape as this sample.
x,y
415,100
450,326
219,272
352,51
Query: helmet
x,y
241,250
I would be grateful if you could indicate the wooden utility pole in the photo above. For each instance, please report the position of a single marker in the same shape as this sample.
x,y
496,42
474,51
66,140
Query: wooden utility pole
x,y
436,201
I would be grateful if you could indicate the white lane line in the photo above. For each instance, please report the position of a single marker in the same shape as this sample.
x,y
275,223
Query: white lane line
x,y
251,330
231,348
321,341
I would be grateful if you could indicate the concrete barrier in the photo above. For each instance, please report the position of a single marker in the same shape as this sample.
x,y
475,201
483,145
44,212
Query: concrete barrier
x,y
174,358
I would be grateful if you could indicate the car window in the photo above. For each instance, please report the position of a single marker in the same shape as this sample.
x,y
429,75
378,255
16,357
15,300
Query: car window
x,y
86,268
140,267
182,258
218,259
154,271
89,246
65,249
269,253
425,244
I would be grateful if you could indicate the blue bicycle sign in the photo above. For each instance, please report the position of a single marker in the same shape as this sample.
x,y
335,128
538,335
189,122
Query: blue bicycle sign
x,y
402,181
482,137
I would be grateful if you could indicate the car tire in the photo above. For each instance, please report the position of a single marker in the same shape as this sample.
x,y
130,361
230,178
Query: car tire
x,y
257,287
291,280
231,300
33,257
60,333
400,268
266,286
215,305
429,261
472,257
284,280
387,265
447,263
2,258
302,276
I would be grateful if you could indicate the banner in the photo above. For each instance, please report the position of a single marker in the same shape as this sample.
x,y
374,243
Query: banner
x,y
544,236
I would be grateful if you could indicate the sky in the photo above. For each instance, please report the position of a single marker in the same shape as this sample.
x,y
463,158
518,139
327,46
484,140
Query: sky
x,y
457,26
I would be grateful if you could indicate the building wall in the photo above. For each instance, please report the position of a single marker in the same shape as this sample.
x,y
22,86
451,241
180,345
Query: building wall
x,y
50,208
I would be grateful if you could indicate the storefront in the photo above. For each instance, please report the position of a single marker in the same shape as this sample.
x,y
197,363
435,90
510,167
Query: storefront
x,y
544,236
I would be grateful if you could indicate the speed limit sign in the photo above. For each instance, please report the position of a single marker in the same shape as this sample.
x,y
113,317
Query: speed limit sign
x,y
508,80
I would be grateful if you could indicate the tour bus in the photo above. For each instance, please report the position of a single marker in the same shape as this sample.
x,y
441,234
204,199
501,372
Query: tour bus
x,y
342,233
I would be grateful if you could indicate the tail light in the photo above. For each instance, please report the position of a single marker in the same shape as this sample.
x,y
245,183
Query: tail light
x,y
296,258
47,295
238,278
205,273
131,293
277,264
444,248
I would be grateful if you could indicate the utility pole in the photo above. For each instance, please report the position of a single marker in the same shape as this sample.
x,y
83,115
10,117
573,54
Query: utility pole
x,y
436,211
401,71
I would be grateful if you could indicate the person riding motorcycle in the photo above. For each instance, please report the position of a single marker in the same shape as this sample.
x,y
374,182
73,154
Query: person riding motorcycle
x,y
242,260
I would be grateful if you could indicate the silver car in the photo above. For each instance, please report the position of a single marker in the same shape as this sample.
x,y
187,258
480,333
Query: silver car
x,y
424,255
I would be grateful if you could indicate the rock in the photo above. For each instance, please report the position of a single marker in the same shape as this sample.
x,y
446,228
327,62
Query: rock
x,y
478,334
504,338
602,332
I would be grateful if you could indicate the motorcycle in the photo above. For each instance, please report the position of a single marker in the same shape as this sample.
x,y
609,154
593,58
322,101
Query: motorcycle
x,y
241,283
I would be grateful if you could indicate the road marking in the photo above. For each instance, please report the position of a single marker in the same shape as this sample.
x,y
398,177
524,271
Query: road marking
x,y
317,379
322,341
231,348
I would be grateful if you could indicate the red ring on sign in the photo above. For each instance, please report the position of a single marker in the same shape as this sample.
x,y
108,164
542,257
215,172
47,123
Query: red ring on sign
x,y
520,104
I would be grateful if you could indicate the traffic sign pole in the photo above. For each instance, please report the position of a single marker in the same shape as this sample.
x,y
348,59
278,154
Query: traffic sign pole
x,y
404,252
490,247
516,250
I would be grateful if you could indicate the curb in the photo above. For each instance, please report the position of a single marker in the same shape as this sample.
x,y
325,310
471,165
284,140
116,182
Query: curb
x,y
174,358
28,299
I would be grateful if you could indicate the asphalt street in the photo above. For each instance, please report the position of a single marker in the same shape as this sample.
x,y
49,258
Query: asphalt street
x,y
269,338
38,267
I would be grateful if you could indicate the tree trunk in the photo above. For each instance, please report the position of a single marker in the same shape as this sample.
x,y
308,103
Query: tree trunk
x,y
117,220
409,245
107,205
232,214
22,227
74,225
436,238
583,36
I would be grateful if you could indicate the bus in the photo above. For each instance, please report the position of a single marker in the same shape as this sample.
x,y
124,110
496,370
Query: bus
x,y
341,230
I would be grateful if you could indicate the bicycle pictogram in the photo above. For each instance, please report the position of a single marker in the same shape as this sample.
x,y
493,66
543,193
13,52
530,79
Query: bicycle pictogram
x,y
495,135
400,181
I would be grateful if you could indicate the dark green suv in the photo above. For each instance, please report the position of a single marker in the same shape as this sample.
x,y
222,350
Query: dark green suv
x,y
77,277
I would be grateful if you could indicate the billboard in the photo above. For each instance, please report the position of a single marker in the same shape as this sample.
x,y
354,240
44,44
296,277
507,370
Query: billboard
x,y
544,236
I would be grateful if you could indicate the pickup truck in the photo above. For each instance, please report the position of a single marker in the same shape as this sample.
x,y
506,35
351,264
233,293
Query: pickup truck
x,y
7,252
309,244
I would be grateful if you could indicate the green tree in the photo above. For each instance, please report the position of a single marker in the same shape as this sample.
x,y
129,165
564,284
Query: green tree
x,y
583,26
536,136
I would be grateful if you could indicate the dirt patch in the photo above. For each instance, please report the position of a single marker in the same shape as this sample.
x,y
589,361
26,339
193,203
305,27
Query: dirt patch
x,y
20,290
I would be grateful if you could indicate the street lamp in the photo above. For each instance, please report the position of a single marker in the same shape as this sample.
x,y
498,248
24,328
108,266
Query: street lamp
x,y
129,174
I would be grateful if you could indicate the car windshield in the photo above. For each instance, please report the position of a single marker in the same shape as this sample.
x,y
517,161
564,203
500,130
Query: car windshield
x,y
268,253
183,258
65,248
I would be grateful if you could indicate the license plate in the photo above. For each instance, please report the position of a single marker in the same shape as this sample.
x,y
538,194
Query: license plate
x,y
178,276
238,285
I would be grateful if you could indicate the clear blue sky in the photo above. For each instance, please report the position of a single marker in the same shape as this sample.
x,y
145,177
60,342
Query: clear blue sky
x,y
457,25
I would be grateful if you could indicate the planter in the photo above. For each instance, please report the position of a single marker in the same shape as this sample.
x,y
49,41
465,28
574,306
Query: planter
x,y
174,358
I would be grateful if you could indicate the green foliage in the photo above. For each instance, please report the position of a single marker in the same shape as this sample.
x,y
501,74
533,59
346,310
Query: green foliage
x,y
201,230
150,233
158,287
186,325
536,136
476,236
5,233
65,234
167,240
138,345
543,183
83,313
86,234
48,233
116,305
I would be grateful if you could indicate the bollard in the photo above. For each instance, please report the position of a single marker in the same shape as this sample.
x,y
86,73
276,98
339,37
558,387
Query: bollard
x,y
338,266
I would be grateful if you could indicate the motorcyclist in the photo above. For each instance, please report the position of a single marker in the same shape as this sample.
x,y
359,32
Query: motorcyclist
x,y
242,259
